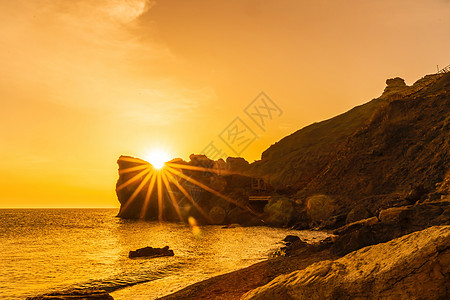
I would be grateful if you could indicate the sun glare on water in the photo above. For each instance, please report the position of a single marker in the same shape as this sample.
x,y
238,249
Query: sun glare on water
x,y
157,158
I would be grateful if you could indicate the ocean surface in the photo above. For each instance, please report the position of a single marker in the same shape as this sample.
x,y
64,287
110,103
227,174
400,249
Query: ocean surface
x,y
44,250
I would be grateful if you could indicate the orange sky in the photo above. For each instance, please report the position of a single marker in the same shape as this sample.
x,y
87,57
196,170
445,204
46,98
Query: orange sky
x,y
82,83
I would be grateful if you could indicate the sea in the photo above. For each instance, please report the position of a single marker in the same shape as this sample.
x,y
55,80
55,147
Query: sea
x,y
48,250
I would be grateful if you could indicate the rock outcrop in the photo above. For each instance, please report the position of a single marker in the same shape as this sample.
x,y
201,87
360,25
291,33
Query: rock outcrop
x,y
415,266
394,85
391,223
211,192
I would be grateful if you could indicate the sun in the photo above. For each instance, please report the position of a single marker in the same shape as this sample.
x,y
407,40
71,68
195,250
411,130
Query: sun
x,y
157,158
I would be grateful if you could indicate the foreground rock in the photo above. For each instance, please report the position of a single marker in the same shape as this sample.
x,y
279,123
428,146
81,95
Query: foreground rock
x,y
415,266
75,295
151,252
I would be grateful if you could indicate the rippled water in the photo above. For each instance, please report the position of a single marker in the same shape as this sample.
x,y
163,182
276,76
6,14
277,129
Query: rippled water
x,y
44,250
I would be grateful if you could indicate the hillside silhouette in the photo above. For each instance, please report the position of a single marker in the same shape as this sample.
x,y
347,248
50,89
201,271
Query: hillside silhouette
x,y
391,150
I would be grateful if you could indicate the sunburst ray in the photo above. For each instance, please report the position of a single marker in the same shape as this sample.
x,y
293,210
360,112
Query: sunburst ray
x,y
137,191
133,159
160,196
207,188
171,196
147,196
195,168
132,169
189,197
132,179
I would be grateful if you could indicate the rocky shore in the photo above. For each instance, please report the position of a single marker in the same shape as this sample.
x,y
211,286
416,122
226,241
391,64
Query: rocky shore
x,y
395,255
415,266
376,176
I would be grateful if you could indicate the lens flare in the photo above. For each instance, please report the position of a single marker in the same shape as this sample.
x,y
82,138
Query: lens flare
x,y
196,231
157,158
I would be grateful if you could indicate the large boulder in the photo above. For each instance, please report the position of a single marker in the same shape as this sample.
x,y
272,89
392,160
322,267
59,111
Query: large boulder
x,y
395,215
415,266
320,207
418,215
279,211
355,226
291,239
359,212
396,84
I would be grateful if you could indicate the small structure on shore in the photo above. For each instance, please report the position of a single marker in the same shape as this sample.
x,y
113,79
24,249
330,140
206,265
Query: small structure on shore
x,y
151,252
260,193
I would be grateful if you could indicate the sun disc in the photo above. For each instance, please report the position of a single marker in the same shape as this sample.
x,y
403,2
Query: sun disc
x,y
157,158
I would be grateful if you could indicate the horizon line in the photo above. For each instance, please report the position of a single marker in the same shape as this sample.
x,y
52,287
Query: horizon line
x,y
66,207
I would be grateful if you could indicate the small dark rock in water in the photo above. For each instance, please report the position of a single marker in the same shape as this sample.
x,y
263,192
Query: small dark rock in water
x,y
151,252
291,239
75,295
297,245
292,243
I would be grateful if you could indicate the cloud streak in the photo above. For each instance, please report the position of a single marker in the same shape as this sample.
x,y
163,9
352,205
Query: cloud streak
x,y
84,54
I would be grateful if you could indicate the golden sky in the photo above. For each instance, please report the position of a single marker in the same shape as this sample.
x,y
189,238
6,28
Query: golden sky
x,y
83,82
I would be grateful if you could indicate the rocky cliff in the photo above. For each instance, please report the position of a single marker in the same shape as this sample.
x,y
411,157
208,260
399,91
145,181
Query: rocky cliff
x,y
414,118
393,150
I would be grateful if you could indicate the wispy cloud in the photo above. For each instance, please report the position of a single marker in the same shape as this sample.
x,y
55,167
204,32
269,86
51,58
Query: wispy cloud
x,y
84,54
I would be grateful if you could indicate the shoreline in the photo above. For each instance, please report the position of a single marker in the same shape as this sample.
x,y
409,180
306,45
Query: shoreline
x,y
234,284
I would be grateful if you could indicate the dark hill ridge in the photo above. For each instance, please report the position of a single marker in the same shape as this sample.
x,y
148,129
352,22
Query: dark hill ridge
x,y
404,145
392,144
300,157
297,158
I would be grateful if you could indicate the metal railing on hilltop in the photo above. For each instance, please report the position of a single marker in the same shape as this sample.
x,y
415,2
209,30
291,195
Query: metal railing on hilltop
x,y
444,70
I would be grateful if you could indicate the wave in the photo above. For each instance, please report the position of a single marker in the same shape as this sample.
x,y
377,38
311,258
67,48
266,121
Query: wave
x,y
122,280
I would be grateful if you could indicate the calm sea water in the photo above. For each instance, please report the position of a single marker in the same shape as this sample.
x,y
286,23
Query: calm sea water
x,y
43,250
